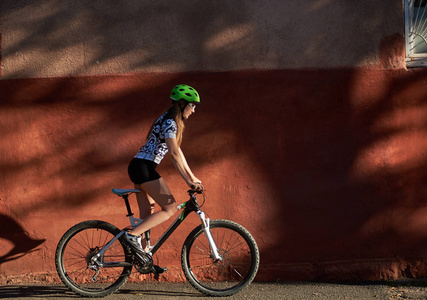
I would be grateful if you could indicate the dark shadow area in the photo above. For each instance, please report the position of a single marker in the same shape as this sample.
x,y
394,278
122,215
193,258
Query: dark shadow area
x,y
30,291
23,244
160,292
151,291
351,173
420,282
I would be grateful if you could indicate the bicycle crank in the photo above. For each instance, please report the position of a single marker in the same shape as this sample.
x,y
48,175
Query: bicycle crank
x,y
143,263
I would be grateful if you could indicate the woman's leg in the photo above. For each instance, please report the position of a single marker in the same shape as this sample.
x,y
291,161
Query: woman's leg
x,y
145,203
146,208
159,191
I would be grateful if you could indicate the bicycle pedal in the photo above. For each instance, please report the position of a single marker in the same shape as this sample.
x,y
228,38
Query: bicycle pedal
x,y
156,270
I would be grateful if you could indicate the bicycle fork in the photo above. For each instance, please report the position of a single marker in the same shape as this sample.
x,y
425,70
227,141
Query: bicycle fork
x,y
206,228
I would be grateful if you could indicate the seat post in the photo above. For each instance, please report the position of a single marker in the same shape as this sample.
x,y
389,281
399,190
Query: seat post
x,y
125,197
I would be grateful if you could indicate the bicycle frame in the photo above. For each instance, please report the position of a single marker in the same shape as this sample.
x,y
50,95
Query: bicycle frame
x,y
187,207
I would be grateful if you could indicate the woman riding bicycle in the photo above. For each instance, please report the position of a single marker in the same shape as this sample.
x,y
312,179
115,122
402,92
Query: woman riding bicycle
x,y
165,135
98,252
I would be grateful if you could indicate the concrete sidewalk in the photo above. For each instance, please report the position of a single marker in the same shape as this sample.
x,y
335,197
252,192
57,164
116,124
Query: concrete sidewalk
x,y
256,291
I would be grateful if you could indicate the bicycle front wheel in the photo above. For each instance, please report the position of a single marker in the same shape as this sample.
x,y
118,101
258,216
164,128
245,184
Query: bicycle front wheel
x,y
73,259
239,259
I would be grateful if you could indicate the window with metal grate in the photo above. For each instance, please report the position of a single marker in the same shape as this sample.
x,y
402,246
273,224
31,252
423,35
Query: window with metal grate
x,y
416,32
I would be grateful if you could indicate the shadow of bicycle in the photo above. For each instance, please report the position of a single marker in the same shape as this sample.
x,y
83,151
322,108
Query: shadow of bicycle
x,y
146,290
15,292
22,243
161,291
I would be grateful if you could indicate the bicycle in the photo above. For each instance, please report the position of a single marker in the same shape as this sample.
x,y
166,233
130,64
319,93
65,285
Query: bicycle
x,y
218,257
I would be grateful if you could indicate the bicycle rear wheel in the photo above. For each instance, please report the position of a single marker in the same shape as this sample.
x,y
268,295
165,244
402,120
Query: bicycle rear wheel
x,y
73,259
236,270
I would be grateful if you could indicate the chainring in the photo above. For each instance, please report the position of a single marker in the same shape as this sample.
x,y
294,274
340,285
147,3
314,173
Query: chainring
x,y
143,263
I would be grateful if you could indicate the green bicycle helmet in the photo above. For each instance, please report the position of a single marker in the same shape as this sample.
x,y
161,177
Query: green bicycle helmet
x,y
186,93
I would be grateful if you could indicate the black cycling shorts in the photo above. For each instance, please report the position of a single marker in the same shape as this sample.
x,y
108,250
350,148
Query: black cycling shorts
x,y
142,170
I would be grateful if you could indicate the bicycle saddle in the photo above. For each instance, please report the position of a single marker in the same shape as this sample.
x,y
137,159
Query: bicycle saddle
x,y
122,192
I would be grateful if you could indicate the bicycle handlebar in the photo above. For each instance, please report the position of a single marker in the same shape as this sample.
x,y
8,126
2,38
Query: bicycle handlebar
x,y
193,191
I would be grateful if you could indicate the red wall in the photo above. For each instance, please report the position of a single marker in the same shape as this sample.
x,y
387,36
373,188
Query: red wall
x,y
326,168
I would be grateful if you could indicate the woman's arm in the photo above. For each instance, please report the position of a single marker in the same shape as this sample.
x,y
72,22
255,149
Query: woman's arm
x,y
187,167
180,163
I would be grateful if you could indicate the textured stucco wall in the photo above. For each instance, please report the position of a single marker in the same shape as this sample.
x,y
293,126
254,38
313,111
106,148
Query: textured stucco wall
x,y
328,173
62,38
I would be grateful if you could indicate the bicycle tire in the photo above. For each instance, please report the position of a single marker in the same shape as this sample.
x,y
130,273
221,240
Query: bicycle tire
x,y
239,265
73,254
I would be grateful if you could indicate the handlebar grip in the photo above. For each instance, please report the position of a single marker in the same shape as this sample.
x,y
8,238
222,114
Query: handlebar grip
x,y
193,191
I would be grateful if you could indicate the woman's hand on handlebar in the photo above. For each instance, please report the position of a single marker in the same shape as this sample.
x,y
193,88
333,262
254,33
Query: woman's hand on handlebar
x,y
197,186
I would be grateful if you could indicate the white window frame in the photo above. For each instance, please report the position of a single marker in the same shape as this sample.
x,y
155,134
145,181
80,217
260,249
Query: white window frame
x,y
414,59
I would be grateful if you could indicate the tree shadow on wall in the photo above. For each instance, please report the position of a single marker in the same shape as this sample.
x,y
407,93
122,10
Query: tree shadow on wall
x,y
23,244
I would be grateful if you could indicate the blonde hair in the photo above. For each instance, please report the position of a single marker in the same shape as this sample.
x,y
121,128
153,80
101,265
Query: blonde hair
x,y
175,113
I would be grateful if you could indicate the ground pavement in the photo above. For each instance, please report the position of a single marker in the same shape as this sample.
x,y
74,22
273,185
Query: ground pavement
x,y
410,289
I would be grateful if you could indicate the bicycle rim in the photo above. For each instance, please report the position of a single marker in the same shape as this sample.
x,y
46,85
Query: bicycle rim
x,y
74,263
237,268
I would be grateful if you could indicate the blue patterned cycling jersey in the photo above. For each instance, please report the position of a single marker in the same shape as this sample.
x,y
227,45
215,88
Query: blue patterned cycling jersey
x,y
155,149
